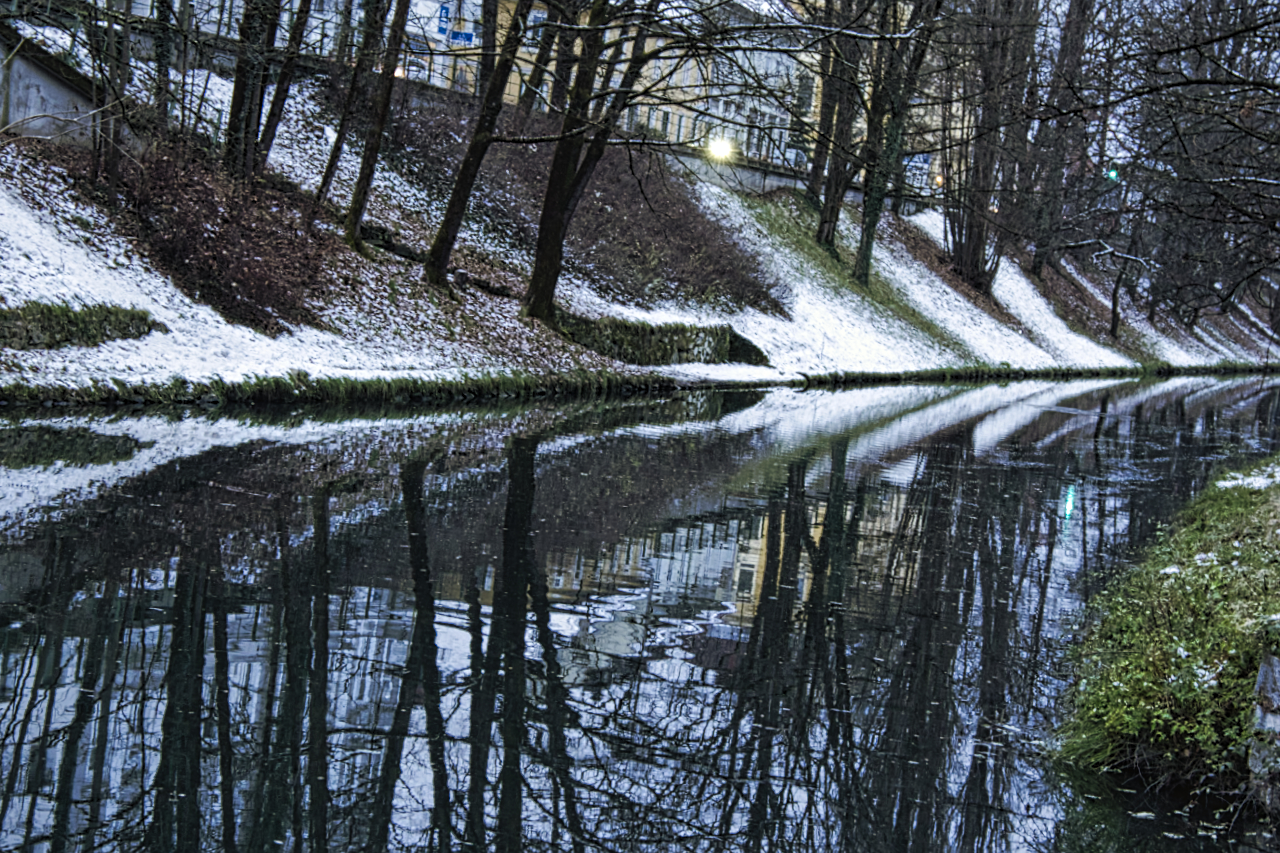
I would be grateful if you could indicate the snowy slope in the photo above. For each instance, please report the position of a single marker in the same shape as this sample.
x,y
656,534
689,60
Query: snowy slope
x,y
831,329
46,264
987,339
1016,294
53,256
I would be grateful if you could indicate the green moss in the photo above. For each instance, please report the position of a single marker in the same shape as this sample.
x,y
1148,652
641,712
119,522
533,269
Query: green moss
x,y
1005,373
38,325
26,447
335,398
634,342
1165,676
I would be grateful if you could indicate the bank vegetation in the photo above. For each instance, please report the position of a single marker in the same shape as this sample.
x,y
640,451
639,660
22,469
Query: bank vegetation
x,y
1167,671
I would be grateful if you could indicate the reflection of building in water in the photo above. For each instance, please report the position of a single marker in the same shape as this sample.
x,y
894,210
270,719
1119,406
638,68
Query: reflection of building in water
x,y
702,668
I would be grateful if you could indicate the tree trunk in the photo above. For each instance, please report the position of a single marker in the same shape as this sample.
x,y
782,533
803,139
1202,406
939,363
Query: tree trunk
x,y
278,100
568,177
1122,279
259,91
280,786
539,302
826,113
249,67
176,822
222,710
546,42
565,57
342,50
902,69
118,57
370,40
488,43
318,706
437,265
873,198
510,611
1063,94
373,141
164,59
1005,42
840,169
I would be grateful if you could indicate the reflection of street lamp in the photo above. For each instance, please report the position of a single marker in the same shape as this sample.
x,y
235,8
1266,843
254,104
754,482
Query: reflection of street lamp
x,y
720,148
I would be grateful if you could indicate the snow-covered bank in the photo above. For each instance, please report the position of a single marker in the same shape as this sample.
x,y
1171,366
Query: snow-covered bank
x,y
881,421
60,250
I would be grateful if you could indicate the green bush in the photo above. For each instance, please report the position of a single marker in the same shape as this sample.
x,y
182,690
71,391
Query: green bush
x,y
38,325
1165,677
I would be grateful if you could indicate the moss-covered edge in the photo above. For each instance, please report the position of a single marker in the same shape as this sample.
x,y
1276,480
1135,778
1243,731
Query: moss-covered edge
x,y
42,325
298,387
636,342
987,373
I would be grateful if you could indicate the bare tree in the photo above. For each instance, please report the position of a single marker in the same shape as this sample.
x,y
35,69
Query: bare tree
x,y
843,98
896,74
247,90
370,42
583,139
464,182
373,139
998,37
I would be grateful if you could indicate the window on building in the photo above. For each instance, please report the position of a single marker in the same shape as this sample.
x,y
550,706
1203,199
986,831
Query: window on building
x,y
537,20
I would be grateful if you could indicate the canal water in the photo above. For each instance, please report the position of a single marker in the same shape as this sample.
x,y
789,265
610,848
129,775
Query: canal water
x,y
774,620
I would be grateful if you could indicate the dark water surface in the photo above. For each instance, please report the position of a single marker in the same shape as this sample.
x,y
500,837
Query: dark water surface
x,y
767,621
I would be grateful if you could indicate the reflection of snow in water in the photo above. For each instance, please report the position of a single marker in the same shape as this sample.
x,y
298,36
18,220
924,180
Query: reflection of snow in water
x,y
663,687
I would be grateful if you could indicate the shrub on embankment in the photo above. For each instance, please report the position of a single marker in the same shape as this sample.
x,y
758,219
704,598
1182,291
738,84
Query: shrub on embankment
x,y
1165,677
40,325
642,343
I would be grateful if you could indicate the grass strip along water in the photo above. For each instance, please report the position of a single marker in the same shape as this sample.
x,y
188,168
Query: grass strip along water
x,y
1165,677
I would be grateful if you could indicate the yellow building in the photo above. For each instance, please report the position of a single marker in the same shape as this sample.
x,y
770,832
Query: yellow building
x,y
688,95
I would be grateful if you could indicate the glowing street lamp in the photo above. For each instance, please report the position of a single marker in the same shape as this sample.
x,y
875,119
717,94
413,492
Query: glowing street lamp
x,y
720,148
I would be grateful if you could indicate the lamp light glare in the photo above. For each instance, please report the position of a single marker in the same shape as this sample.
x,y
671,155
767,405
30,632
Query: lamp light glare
x,y
720,148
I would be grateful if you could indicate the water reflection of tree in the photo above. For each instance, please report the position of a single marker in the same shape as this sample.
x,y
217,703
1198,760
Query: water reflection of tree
x,y
870,705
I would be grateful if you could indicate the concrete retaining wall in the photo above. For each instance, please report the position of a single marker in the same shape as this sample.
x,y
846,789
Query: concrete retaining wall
x,y
40,95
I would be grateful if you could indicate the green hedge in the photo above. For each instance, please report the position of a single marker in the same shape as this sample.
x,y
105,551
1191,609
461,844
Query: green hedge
x,y
634,342
38,325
